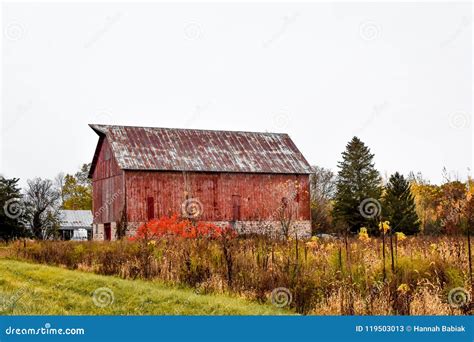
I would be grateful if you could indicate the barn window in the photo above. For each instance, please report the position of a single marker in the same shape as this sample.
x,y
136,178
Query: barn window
x,y
150,208
285,201
106,155
235,207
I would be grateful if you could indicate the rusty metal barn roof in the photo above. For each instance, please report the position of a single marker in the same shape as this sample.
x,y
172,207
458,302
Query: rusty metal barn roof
x,y
151,148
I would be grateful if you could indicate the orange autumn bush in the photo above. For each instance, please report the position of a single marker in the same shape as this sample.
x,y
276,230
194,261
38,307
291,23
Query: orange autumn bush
x,y
176,226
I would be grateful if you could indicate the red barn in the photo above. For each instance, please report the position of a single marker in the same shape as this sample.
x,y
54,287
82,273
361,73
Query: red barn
x,y
256,182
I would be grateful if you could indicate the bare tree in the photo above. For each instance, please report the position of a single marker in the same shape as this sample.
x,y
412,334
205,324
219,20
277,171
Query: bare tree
x,y
82,175
322,188
122,224
285,216
42,207
59,183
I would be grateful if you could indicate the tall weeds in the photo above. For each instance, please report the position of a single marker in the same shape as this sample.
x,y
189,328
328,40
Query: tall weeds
x,y
324,277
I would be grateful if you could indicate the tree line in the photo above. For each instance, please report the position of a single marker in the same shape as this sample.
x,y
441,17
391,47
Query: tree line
x,y
35,211
358,197
355,197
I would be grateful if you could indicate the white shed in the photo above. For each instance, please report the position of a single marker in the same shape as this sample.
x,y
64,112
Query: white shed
x,y
76,224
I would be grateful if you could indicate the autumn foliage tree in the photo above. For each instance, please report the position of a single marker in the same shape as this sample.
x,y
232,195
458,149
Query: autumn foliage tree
x,y
75,190
451,207
427,199
441,207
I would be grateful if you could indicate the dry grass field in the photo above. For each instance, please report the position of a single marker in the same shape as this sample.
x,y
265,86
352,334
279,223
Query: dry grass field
x,y
417,276
30,289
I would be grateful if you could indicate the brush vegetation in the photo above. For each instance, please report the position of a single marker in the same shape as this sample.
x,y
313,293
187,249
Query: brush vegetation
x,y
337,276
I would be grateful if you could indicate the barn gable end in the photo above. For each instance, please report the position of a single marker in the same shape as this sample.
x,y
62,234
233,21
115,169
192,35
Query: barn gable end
x,y
108,193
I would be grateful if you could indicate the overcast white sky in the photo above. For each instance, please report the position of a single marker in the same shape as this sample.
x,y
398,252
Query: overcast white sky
x,y
399,76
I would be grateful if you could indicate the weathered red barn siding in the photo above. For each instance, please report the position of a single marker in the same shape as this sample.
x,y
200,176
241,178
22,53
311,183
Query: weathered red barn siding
x,y
107,182
260,194
238,177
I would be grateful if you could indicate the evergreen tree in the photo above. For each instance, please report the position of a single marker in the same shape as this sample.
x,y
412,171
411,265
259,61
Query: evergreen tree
x,y
399,206
358,188
12,215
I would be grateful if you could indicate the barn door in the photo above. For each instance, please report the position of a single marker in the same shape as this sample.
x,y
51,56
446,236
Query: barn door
x,y
235,207
107,232
150,208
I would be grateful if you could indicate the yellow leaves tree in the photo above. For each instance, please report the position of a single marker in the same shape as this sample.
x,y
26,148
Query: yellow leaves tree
x,y
363,235
427,199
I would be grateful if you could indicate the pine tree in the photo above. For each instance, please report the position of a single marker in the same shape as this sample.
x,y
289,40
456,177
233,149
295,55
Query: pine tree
x,y
358,188
399,206
12,215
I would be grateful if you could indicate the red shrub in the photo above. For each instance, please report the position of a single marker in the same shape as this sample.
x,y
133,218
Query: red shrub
x,y
175,226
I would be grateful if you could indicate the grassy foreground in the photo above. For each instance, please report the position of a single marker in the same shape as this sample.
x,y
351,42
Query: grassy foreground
x,y
31,289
